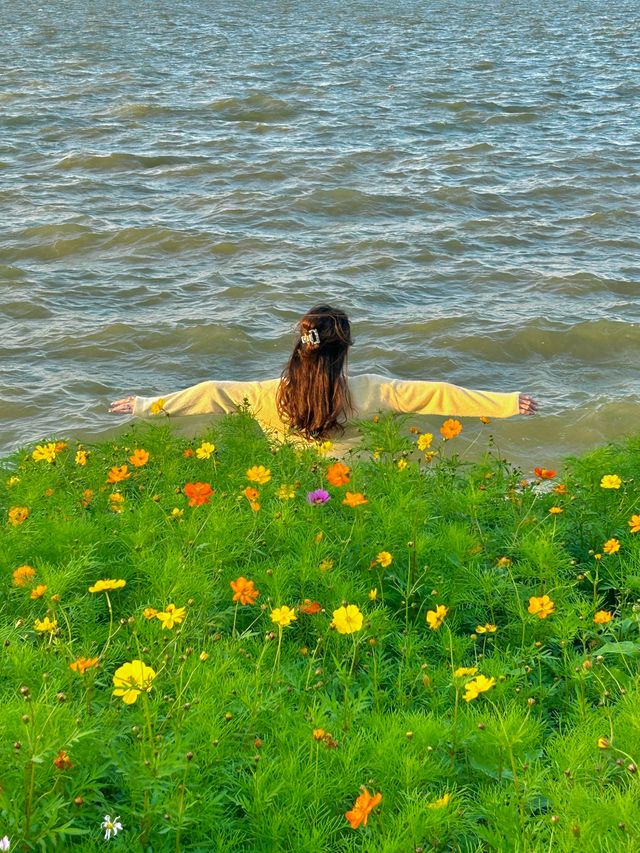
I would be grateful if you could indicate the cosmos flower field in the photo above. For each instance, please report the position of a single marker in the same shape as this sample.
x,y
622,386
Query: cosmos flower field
x,y
227,645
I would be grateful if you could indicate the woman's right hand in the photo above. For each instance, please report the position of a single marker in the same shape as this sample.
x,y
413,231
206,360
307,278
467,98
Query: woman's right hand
x,y
527,405
122,407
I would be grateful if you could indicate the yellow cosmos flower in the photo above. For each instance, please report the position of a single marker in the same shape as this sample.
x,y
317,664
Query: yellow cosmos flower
x,y
444,800
401,464
18,515
541,606
602,617
131,679
488,628
610,481
81,457
634,524
176,512
603,743
205,450
45,452
13,481
373,594
158,406
149,613
283,616
611,546
107,585
463,671
424,441
326,565
325,448
477,686
286,492
555,510
435,618
384,559
171,616
259,474
347,620
46,625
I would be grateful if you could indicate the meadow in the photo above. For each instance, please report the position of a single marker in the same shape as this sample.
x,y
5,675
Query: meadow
x,y
231,645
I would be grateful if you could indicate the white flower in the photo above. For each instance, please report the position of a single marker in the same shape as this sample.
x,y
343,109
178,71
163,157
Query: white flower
x,y
5,844
111,827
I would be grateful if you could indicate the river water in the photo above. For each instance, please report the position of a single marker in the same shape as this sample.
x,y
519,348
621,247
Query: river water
x,y
181,179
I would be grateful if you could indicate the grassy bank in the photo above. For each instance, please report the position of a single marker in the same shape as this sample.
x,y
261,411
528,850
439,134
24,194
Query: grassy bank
x,y
234,647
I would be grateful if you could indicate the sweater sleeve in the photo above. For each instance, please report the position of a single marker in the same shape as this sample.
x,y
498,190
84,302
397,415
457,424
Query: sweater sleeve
x,y
213,397
443,398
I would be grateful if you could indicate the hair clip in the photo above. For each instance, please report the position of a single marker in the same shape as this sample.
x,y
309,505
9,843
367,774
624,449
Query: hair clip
x,y
311,338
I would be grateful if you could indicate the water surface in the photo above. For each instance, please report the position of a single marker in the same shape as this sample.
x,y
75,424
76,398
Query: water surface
x,y
180,181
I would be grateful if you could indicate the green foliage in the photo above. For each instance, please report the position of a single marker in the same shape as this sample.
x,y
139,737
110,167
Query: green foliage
x,y
255,736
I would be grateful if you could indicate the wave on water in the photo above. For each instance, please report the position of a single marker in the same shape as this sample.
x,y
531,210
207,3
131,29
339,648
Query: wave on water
x,y
117,161
256,108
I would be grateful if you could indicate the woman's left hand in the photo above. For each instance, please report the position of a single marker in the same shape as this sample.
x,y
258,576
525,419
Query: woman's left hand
x,y
122,407
527,405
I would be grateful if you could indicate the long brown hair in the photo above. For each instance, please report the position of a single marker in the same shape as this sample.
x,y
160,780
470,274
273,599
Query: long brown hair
x,y
313,397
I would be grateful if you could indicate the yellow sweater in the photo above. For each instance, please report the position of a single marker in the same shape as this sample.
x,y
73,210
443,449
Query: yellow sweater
x,y
370,394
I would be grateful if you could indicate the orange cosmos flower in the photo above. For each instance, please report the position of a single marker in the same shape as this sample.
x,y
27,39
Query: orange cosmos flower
x,y
118,473
22,575
450,428
310,607
338,474
149,613
560,489
251,494
17,515
353,499
244,591
611,546
139,458
544,473
38,591
62,761
188,453
87,497
542,606
555,510
602,617
634,524
198,493
81,665
362,808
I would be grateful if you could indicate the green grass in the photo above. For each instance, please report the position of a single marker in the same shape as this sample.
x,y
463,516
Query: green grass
x,y
219,754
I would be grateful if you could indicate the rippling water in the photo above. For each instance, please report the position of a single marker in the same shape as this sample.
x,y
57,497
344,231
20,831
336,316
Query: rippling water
x,y
179,181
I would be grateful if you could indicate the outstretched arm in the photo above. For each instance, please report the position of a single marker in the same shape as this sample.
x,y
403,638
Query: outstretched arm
x,y
444,398
213,397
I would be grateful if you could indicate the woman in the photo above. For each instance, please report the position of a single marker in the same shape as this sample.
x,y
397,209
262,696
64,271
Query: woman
x,y
313,400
